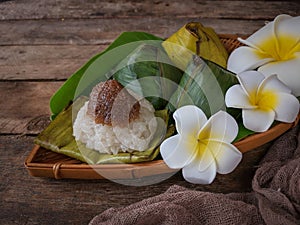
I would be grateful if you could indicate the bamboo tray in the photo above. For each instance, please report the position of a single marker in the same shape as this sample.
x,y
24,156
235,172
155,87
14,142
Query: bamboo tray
x,y
45,163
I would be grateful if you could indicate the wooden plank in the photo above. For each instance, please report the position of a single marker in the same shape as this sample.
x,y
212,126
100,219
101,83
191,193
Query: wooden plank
x,y
25,106
104,31
50,62
35,9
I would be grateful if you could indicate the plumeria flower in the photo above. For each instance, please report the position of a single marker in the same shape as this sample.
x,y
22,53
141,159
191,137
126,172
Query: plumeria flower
x,y
274,49
202,147
262,100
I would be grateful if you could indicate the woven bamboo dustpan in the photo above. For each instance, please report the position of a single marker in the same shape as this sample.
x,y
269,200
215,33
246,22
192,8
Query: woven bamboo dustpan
x,y
45,163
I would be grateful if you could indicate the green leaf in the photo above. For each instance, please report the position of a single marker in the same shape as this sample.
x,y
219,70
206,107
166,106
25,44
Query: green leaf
x,y
58,137
149,73
204,84
68,91
243,132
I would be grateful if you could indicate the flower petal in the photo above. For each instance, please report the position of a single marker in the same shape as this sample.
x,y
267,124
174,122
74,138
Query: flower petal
x,y
272,83
287,71
287,108
193,175
189,119
257,39
245,58
237,98
258,120
287,27
227,156
220,126
250,81
285,24
177,151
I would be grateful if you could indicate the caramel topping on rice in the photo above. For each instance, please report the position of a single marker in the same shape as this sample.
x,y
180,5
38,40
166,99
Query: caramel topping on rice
x,y
111,103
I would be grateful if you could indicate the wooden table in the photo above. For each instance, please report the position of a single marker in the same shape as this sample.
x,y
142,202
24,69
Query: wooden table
x,y
41,44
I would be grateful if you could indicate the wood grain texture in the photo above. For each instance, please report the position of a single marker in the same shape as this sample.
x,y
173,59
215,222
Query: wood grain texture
x,y
25,107
44,62
104,31
59,9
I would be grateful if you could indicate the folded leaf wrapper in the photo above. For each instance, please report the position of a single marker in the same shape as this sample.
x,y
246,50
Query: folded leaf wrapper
x,y
58,137
148,72
194,38
203,84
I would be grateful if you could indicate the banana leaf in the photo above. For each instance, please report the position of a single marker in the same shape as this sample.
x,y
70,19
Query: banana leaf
x,y
194,38
58,137
203,84
149,72
67,92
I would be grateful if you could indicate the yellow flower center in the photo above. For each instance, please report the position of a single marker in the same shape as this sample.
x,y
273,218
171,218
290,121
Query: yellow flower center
x,y
202,142
264,100
198,144
201,148
280,49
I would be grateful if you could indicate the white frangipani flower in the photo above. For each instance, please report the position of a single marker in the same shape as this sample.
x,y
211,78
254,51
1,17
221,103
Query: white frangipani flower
x,y
274,49
262,100
202,147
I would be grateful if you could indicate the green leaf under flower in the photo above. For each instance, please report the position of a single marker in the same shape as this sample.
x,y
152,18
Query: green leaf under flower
x,y
203,84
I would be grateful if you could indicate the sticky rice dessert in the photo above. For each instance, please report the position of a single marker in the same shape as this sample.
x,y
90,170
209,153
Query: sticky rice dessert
x,y
114,121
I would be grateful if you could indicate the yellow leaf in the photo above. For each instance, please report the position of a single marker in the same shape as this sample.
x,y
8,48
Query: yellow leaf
x,y
194,38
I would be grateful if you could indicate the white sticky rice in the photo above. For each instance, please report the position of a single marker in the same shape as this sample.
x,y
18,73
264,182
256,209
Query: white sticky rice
x,y
112,140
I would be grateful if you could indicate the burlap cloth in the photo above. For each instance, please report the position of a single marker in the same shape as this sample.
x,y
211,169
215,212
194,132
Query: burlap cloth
x,y
274,199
